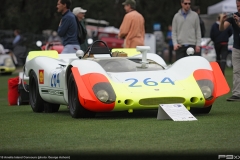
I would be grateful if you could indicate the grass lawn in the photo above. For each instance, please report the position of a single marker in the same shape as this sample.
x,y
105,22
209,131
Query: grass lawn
x,y
24,132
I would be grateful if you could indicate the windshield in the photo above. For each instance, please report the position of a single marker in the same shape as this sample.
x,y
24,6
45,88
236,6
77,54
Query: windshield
x,y
126,65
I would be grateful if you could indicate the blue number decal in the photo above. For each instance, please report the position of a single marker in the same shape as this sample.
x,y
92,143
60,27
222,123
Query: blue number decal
x,y
133,84
167,80
149,83
55,80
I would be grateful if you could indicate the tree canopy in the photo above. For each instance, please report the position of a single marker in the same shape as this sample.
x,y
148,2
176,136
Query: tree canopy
x,y
37,15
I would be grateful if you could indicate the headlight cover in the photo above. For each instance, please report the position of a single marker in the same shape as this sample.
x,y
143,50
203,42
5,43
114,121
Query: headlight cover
x,y
206,87
104,92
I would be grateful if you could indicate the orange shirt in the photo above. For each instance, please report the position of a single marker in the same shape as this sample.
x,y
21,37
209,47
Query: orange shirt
x,y
132,29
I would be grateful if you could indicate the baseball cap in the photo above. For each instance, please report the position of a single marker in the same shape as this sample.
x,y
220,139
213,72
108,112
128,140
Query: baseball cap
x,y
130,2
77,10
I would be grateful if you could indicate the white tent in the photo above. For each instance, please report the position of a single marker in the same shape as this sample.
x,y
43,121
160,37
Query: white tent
x,y
226,6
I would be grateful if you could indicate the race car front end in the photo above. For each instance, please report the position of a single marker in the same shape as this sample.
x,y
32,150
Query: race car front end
x,y
6,64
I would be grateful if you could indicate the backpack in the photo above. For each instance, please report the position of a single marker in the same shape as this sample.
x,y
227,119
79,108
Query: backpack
x,y
82,33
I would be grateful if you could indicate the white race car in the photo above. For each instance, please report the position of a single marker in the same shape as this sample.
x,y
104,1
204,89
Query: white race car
x,y
103,83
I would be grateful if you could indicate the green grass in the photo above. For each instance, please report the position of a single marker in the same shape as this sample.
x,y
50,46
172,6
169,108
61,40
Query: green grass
x,y
23,131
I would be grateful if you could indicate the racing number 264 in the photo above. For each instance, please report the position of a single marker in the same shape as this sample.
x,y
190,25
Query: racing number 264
x,y
148,82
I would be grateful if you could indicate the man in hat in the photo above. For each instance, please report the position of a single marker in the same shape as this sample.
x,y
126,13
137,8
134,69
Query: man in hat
x,y
80,14
132,28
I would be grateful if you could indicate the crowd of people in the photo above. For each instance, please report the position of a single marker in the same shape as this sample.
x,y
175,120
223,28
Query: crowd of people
x,y
186,30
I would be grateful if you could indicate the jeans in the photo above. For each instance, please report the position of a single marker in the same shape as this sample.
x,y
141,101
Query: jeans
x,y
70,48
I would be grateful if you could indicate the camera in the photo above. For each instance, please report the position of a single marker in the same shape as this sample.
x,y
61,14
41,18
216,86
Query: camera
x,y
229,15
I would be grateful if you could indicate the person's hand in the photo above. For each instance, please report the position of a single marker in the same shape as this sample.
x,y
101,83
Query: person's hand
x,y
197,49
223,17
237,19
176,47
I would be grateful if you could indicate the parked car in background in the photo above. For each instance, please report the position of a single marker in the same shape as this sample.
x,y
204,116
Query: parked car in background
x,y
208,50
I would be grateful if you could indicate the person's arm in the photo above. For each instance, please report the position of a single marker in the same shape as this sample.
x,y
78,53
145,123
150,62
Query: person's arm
x,y
124,28
223,23
174,33
63,27
198,35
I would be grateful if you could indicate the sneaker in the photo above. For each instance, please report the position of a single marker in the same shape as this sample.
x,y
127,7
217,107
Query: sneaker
x,y
233,98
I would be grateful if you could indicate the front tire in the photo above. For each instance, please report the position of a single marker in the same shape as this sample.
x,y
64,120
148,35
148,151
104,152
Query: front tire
x,y
35,99
75,107
205,110
50,107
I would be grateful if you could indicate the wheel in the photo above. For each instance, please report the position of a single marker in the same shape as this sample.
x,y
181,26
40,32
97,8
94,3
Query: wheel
x,y
50,107
19,101
201,110
35,99
229,60
75,107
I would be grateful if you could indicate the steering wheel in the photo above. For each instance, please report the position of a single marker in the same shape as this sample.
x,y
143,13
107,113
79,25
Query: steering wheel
x,y
89,50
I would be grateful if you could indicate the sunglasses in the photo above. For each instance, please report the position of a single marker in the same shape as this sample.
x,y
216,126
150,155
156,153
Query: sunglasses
x,y
187,3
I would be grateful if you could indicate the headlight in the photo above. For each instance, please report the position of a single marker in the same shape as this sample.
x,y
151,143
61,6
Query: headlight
x,y
207,92
104,92
8,62
206,87
102,95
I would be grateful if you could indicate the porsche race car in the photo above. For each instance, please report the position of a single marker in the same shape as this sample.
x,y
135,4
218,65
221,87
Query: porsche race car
x,y
104,83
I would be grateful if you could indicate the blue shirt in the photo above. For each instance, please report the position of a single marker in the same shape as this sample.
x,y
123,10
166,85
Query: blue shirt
x,y
169,35
68,29
16,39
185,14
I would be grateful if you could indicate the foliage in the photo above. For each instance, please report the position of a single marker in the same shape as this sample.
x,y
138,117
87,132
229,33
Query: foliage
x,y
37,15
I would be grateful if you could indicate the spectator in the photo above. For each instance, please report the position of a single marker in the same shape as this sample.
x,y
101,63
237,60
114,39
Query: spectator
x,y
170,43
67,27
19,48
186,30
225,22
54,37
202,25
80,13
132,28
220,39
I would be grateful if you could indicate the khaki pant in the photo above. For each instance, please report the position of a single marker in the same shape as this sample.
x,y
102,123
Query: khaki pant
x,y
236,72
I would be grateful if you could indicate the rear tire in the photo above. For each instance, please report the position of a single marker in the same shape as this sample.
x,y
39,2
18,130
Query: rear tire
x,y
75,107
35,99
201,110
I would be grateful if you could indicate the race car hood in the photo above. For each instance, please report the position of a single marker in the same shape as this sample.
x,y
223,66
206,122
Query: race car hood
x,y
137,82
